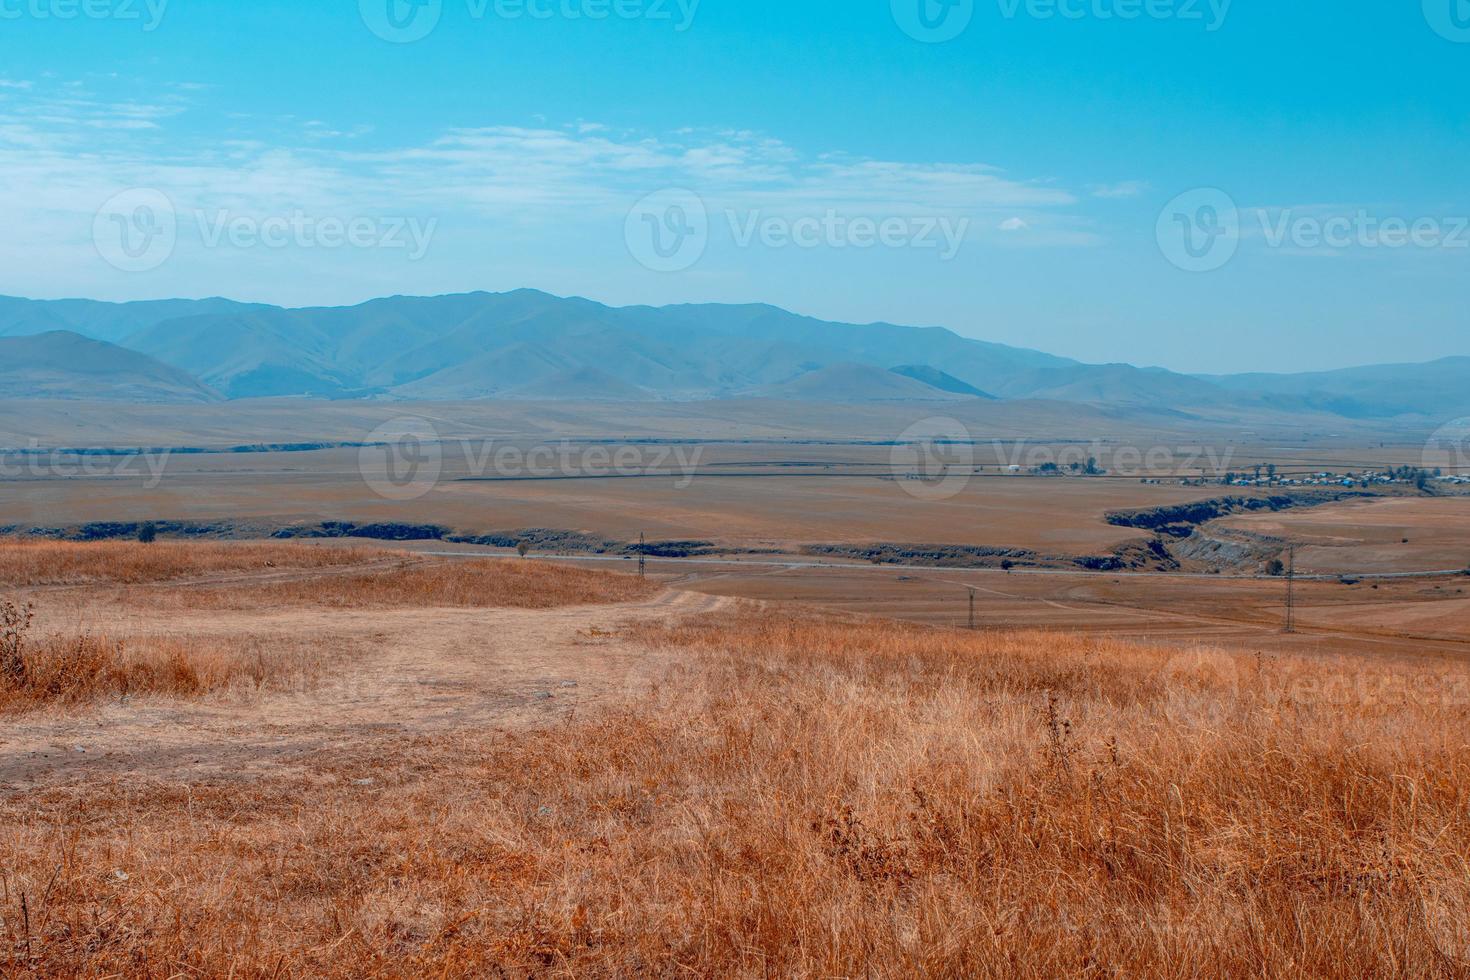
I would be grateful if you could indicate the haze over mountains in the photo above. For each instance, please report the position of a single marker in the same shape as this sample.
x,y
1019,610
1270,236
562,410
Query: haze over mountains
x,y
531,345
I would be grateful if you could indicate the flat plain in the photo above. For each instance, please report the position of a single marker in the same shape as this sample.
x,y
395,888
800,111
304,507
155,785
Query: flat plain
x,y
786,753
299,759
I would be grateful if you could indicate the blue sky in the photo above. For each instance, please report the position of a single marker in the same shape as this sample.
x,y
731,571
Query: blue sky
x,y
1030,180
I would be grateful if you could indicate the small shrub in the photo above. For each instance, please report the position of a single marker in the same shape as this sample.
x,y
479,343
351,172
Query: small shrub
x,y
15,623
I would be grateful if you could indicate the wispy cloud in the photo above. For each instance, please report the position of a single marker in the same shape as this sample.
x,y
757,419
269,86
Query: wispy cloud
x,y
1121,190
66,150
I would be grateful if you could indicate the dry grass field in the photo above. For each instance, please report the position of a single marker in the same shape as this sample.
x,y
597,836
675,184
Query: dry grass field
x,y
616,782
763,496
1393,535
741,474
501,584
25,563
1390,617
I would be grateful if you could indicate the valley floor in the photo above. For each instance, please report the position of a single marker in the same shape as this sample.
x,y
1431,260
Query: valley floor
x,y
284,760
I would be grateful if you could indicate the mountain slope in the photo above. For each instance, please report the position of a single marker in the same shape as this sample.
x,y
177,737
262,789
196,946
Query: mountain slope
x,y
112,322
936,378
1437,388
65,365
493,345
854,383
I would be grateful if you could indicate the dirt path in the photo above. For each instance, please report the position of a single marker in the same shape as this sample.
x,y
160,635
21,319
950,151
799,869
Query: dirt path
x,y
390,673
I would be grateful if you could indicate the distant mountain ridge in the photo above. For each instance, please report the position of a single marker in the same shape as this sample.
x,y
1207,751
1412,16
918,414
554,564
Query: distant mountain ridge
x,y
64,365
531,345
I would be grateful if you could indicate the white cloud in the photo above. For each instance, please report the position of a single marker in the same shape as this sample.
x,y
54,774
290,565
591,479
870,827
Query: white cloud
x,y
1121,190
65,150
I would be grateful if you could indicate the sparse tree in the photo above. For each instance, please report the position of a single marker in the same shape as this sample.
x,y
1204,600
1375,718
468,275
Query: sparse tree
x,y
523,548
1275,568
148,533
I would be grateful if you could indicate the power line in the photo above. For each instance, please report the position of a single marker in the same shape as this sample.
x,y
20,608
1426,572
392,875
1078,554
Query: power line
x,y
1291,589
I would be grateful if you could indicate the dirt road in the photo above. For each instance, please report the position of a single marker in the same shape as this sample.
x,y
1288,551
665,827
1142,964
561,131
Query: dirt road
x,y
387,674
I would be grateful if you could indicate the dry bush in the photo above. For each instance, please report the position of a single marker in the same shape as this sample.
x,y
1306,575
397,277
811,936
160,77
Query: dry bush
x,y
43,563
467,584
81,668
808,798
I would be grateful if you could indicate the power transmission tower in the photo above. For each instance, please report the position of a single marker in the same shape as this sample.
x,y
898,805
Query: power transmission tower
x,y
972,609
642,557
1291,589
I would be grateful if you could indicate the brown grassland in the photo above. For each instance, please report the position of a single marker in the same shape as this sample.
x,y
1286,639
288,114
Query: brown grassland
x,y
27,563
500,583
799,794
83,667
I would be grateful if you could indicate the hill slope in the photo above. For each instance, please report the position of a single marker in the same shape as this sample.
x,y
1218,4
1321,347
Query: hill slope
x,y
525,342
65,365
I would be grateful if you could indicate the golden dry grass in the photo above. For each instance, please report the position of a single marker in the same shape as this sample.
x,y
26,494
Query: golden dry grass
x,y
802,797
508,583
26,563
81,668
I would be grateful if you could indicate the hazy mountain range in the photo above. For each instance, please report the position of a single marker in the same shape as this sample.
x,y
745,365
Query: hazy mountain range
x,y
531,345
